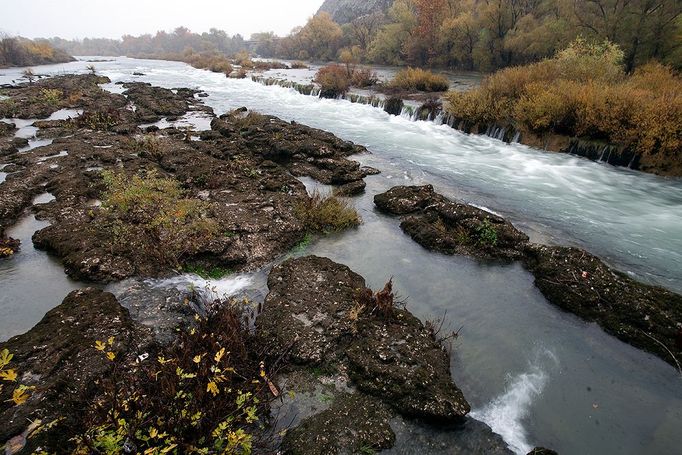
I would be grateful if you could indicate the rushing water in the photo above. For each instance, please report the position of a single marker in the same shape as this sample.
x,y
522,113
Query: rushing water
x,y
536,375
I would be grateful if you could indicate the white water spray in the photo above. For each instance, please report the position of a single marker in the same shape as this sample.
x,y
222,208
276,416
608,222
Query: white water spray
x,y
505,414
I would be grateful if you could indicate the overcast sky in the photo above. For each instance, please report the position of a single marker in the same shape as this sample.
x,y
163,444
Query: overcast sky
x,y
112,19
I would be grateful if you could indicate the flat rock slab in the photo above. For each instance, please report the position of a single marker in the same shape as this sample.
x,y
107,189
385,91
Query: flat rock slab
x,y
449,227
353,423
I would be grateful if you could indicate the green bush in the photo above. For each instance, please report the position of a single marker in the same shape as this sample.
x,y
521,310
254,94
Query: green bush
x,y
411,79
51,96
203,394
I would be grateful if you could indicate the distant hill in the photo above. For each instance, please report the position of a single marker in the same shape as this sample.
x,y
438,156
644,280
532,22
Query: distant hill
x,y
345,11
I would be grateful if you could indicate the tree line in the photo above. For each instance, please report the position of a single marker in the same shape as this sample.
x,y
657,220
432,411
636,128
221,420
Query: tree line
x,y
179,41
486,35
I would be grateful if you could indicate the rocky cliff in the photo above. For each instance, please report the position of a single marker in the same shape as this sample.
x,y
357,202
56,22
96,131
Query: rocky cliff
x,y
345,11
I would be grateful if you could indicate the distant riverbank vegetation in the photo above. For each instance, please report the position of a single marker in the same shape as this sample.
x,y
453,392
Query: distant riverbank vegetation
x,y
17,51
584,91
488,35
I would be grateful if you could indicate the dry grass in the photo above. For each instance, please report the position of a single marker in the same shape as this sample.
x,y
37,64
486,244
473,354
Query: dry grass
x,y
417,79
327,214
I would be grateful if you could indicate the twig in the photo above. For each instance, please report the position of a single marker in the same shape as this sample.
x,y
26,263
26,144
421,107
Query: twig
x,y
679,369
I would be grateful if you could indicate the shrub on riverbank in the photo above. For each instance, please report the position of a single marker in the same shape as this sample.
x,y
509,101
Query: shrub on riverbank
x,y
584,92
417,79
327,214
209,61
334,81
25,52
204,393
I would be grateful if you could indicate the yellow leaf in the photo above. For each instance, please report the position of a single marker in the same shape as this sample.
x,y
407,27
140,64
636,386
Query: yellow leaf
x,y
153,432
111,356
5,357
219,355
19,396
9,375
197,359
100,345
169,448
110,341
213,388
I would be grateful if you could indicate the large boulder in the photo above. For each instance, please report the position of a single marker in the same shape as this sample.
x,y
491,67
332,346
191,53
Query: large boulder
x,y
322,317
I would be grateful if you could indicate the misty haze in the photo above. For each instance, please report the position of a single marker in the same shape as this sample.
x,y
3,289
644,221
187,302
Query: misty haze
x,y
341,227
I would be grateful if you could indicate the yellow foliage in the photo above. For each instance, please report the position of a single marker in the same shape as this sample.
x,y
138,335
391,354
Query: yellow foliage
x,y
8,375
419,79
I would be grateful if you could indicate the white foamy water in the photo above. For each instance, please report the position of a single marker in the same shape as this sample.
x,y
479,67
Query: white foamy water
x,y
506,413
210,290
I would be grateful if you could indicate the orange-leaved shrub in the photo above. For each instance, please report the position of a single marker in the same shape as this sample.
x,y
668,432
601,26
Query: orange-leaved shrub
x,y
582,91
334,81
411,79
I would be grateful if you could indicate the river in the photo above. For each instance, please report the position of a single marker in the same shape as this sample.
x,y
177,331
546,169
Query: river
x,y
536,375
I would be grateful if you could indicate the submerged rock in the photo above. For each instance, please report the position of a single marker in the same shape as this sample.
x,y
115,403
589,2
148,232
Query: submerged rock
x,y
648,317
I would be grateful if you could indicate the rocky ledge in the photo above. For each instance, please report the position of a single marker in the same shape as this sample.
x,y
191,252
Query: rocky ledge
x,y
368,358
241,173
645,316
57,362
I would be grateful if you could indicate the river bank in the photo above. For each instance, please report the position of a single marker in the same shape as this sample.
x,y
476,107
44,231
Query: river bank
x,y
652,153
381,257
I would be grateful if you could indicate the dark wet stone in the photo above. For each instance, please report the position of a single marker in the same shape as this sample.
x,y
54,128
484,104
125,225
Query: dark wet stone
x,y
394,106
542,451
308,314
58,357
449,227
351,189
399,361
647,317
352,424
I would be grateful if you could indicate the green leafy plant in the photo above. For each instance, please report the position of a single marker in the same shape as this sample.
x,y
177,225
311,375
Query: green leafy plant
x,y
50,96
487,234
204,394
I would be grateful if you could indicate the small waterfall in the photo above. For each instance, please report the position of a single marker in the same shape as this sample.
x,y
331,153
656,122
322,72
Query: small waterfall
x,y
517,137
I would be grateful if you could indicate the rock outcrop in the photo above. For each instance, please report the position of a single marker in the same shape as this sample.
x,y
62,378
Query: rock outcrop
x,y
318,314
345,11
648,317
57,357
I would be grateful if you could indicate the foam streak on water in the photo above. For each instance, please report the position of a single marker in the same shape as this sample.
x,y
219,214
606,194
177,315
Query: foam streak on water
x,y
505,414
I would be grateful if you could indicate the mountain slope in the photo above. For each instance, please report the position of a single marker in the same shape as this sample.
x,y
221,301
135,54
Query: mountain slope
x,y
345,11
